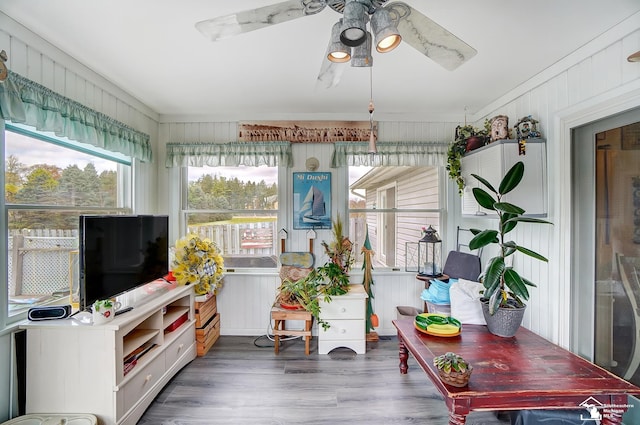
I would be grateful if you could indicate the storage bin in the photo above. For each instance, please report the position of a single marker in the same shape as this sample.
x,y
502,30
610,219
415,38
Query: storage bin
x,y
53,419
439,308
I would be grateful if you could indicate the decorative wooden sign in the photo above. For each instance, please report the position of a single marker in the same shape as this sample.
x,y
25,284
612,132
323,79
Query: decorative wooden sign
x,y
304,131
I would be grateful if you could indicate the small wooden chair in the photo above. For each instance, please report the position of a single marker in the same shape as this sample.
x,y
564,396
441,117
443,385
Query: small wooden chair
x,y
279,315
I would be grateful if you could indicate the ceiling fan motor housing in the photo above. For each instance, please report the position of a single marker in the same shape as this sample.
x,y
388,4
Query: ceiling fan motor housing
x,y
372,5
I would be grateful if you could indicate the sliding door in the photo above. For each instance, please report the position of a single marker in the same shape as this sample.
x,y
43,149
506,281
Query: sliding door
x,y
606,174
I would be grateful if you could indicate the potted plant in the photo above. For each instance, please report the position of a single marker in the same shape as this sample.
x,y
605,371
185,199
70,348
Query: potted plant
x,y
504,289
324,281
467,137
321,283
103,311
453,369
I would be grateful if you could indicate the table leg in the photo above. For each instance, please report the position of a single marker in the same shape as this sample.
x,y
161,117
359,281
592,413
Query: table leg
x,y
457,419
307,338
276,337
404,356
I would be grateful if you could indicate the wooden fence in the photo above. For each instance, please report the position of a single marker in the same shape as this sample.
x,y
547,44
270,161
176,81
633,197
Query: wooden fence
x,y
45,261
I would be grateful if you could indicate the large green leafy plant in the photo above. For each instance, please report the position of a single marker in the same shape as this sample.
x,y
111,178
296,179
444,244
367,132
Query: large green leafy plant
x,y
457,149
503,286
324,281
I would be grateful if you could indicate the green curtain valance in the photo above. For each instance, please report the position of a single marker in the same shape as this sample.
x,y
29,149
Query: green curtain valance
x,y
26,102
232,154
390,154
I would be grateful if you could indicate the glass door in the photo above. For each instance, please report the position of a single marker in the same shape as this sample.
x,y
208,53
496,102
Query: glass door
x,y
617,251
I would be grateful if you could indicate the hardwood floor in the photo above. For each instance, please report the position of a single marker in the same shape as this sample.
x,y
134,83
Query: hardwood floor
x,y
242,381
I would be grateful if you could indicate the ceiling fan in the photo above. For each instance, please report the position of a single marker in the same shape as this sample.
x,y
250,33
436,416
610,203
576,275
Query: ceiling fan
x,y
351,40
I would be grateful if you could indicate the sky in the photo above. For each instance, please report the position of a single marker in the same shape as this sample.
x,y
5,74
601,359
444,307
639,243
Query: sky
x,y
31,151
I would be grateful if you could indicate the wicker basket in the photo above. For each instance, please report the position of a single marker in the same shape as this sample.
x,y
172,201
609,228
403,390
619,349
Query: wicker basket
x,y
456,379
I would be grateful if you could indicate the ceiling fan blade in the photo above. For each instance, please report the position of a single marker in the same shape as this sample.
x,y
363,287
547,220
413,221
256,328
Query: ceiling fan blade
x,y
254,19
429,38
330,74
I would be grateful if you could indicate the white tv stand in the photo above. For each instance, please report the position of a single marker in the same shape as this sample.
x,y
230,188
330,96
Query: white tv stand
x,y
74,366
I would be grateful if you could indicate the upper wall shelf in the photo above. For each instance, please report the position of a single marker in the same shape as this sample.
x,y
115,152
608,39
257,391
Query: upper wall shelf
x,y
492,162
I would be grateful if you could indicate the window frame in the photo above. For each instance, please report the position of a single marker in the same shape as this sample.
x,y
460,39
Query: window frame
x,y
380,212
124,202
185,211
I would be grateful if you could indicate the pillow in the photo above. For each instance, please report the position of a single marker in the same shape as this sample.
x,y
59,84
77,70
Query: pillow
x,y
294,273
465,302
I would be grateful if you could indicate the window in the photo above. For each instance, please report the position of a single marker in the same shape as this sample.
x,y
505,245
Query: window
x,y
235,207
393,204
49,182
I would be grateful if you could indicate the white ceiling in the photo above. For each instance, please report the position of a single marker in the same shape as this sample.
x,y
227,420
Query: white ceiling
x,y
151,49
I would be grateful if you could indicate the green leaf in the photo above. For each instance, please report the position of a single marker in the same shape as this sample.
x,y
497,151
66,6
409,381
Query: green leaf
x,y
494,302
529,220
483,198
483,238
529,283
492,276
513,177
531,253
509,248
507,224
515,283
508,208
485,182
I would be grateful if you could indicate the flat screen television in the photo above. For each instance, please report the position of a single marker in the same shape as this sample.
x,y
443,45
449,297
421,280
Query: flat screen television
x,y
118,253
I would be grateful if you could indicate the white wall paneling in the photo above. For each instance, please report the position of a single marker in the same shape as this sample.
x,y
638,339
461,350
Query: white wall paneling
x,y
245,300
44,64
588,80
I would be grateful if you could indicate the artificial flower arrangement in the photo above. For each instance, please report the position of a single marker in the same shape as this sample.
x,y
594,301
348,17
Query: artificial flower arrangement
x,y
199,262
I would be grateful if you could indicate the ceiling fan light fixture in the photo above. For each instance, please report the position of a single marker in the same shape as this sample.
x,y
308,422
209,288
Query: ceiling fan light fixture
x,y
354,23
338,52
362,53
385,31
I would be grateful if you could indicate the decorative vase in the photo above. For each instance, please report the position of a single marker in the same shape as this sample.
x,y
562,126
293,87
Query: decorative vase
x,y
375,322
456,379
505,322
288,306
474,142
103,311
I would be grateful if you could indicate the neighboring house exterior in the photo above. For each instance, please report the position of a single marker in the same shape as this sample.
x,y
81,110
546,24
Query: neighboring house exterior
x,y
404,189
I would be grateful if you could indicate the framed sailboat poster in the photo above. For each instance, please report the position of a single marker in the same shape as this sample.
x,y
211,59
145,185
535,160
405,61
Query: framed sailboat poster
x,y
312,200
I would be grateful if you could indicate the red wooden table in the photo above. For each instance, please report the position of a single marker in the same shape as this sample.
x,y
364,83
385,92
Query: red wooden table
x,y
518,373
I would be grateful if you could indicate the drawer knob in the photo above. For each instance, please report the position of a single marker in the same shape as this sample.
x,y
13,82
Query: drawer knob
x,y
343,309
180,347
148,378
342,331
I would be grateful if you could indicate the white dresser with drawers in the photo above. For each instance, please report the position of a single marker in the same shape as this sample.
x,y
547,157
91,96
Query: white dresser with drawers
x,y
346,316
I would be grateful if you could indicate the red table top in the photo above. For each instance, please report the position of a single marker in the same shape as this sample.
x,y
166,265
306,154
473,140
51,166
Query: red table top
x,y
525,371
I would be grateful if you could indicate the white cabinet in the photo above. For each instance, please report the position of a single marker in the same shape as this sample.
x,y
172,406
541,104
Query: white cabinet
x,y
74,366
492,161
346,316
